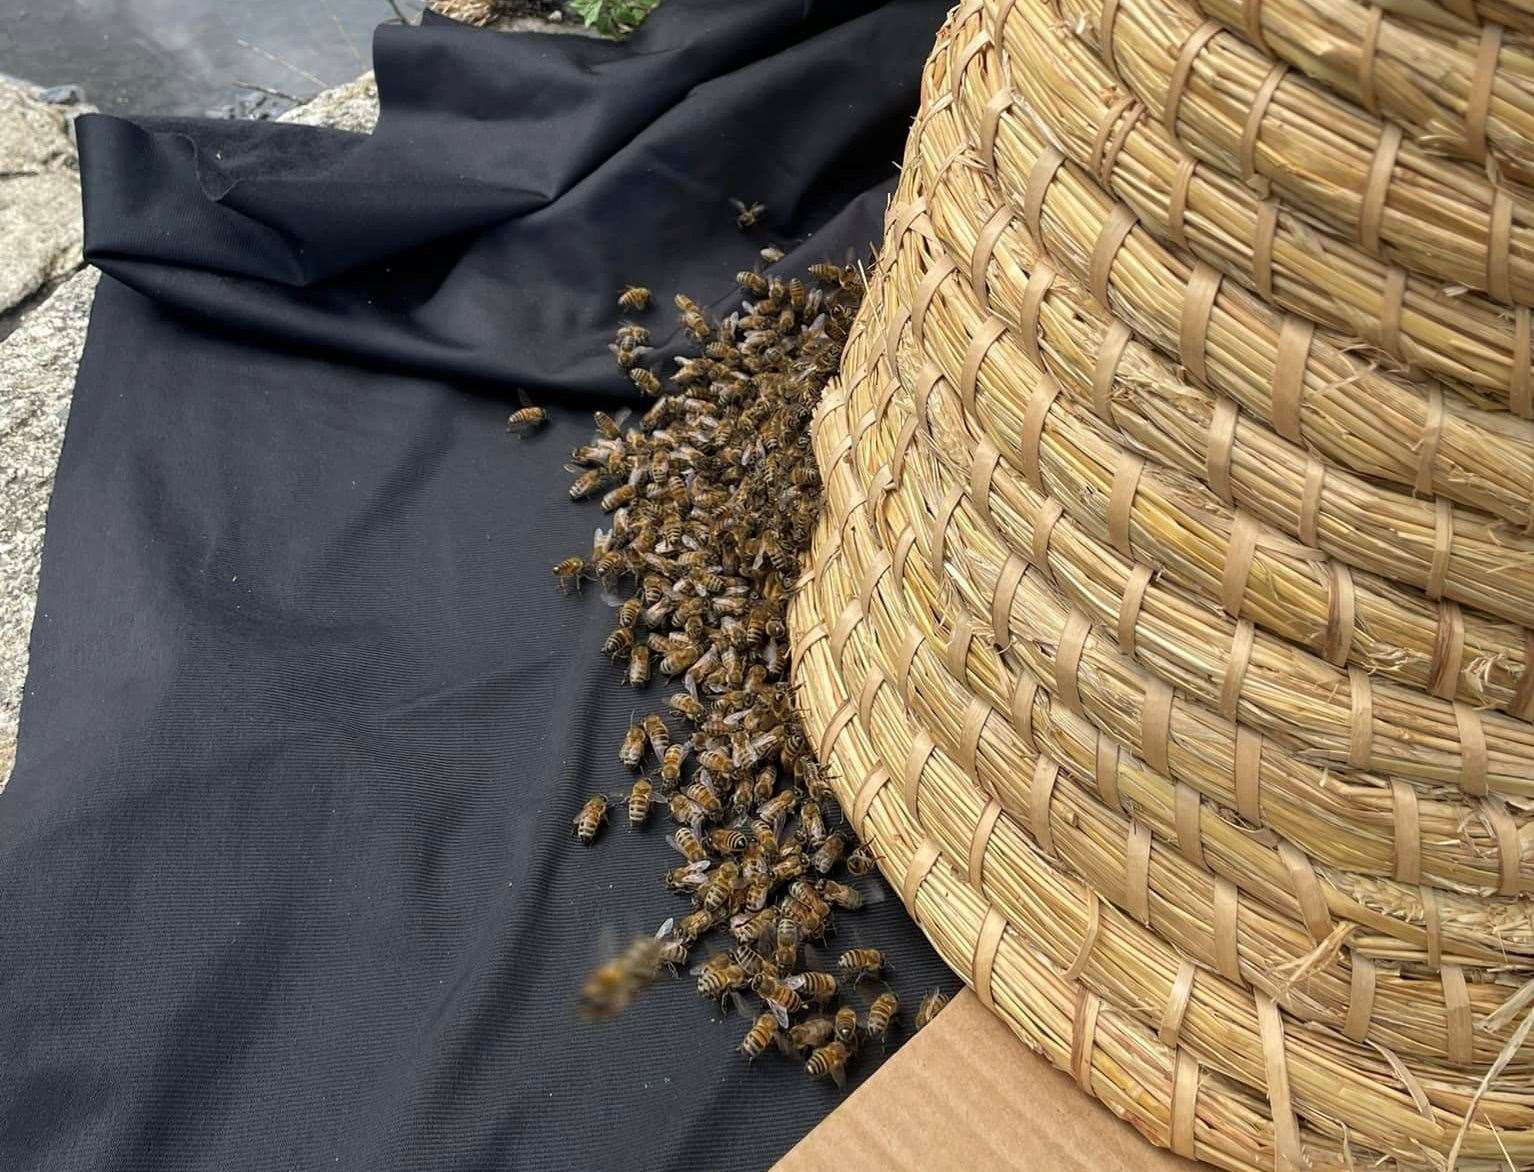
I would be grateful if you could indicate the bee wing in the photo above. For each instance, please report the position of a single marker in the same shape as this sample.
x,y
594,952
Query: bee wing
x,y
779,1012
873,893
612,597
740,1003
839,1077
794,982
665,929
522,395
787,1047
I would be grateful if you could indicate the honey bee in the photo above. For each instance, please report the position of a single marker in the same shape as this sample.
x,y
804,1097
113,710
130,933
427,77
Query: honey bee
x,y
715,761
590,819
765,784
825,859
640,799
846,1025
830,1061
758,892
628,614
881,1014
570,571
810,1033
618,497
659,735
815,986
632,750
686,706
694,324
620,642
727,841
639,666
860,862
761,1035
771,254
685,811
778,806
634,298
687,843
931,1005
691,927
783,1000
747,216
706,799
750,928
827,273
631,334
645,380
814,822
715,982
671,764
587,483
752,282
716,890
673,952
857,963
688,876
607,427
841,895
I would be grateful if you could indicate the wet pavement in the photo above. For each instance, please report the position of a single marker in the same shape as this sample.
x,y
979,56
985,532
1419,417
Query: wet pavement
x,y
191,56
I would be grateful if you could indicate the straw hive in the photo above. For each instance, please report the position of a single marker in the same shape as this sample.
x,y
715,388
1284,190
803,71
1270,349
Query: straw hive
x,y
1166,629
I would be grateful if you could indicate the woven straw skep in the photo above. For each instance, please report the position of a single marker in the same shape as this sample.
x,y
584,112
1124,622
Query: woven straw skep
x,y
1166,638
1462,337
1435,216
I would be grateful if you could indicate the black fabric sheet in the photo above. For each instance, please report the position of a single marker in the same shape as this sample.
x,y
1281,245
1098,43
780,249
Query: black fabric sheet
x,y
286,874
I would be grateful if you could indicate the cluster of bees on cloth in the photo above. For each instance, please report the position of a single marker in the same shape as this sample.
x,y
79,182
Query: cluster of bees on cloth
x,y
713,494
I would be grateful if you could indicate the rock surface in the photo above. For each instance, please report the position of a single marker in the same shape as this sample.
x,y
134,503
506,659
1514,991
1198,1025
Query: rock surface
x,y
39,189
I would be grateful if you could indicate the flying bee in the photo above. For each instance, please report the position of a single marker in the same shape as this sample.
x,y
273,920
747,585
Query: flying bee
x,y
645,380
590,819
881,1014
659,735
686,706
747,216
771,254
841,895
639,666
857,963
829,854
811,1033
607,427
815,986
570,572
931,1005
761,1035
830,1061
618,497
527,418
860,862
687,843
671,764
608,567
634,298
632,751
641,797
727,840
673,952
610,987
846,1025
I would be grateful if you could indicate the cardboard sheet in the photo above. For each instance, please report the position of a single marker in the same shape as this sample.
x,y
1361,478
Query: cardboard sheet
x,y
965,1093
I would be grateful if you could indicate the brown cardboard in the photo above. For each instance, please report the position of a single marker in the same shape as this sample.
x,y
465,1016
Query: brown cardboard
x,y
964,1093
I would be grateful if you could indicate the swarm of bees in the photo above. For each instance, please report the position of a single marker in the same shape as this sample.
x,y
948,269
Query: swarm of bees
x,y
713,495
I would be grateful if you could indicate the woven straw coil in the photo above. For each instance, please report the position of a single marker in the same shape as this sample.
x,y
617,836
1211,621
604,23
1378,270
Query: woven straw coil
x,y
1165,631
